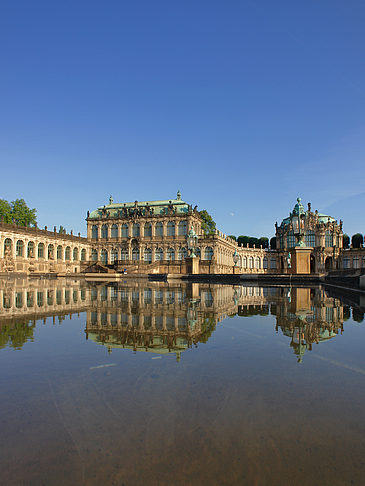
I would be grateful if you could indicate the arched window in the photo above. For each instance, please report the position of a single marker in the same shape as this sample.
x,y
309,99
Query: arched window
x,y
59,253
83,255
19,248
148,230
68,253
104,231
198,252
290,240
75,254
170,228
125,230
159,229
7,246
135,231
250,262
41,250
94,232
50,252
148,255
114,232
135,253
257,263
124,254
310,238
94,255
104,256
30,250
265,263
281,241
113,255
244,262
328,239
182,253
183,228
273,263
159,254
208,253
346,262
171,254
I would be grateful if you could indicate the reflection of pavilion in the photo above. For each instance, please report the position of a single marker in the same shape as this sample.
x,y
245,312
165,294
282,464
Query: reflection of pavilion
x,y
308,317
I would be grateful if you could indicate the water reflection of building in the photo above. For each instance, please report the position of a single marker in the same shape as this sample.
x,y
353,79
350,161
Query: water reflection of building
x,y
162,318
309,316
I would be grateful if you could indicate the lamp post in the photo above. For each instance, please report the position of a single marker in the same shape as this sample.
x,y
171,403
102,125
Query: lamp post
x,y
235,260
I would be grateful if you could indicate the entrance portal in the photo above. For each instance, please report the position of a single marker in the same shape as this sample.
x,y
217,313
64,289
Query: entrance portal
x,y
328,264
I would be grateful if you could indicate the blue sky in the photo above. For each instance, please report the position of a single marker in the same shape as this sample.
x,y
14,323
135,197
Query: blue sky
x,y
242,105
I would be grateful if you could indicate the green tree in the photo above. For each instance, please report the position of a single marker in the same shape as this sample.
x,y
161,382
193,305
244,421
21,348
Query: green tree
x,y
233,237
346,241
5,211
253,241
62,230
243,240
208,224
264,242
273,243
357,240
21,214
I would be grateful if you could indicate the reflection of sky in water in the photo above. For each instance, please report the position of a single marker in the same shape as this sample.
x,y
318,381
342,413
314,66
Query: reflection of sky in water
x,y
236,408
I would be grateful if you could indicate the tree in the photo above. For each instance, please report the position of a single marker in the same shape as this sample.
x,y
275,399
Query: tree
x,y
21,214
243,240
208,224
252,241
346,241
5,211
273,243
264,242
233,237
357,240
62,230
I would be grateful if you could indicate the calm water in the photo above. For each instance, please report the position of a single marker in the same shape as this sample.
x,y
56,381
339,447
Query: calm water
x,y
156,384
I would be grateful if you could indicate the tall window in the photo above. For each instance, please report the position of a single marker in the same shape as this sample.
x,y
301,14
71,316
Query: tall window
x,y
328,239
159,254
148,230
159,229
171,254
281,241
114,232
135,254
346,262
244,262
273,263
59,253
68,253
19,248
257,263
104,231
83,255
94,255
170,228
104,256
30,250
113,255
125,232
183,228
290,240
148,255
136,229
50,252
41,250
182,253
124,254
265,263
94,232
7,245
75,254
208,253
356,262
250,262
310,238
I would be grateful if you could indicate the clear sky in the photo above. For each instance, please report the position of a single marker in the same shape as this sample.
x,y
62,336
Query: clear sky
x,y
242,105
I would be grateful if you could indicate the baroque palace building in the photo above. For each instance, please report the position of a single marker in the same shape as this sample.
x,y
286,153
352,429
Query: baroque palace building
x,y
151,237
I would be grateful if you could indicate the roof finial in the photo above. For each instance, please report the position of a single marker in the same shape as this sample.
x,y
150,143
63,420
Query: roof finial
x,y
178,197
111,200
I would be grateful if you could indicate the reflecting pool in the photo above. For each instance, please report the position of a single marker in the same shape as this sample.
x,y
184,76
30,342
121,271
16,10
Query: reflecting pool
x,y
151,383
